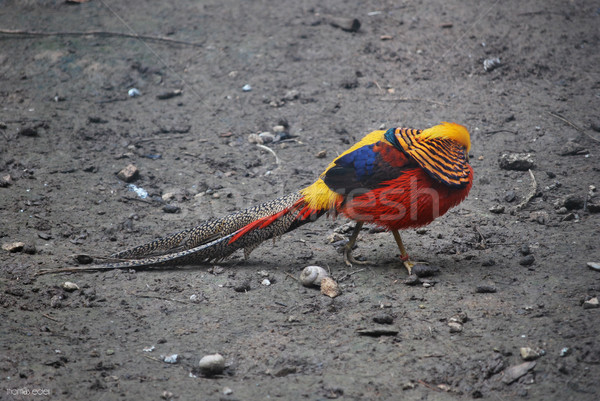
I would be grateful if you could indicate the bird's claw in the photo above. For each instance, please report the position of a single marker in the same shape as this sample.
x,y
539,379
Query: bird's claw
x,y
409,265
349,259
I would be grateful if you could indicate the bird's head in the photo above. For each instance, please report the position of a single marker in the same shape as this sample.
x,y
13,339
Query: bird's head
x,y
453,131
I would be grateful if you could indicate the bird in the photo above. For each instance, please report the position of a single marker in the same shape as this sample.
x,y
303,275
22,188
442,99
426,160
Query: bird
x,y
396,179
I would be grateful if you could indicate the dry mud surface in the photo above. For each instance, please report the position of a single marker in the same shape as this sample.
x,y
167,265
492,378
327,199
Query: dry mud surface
x,y
520,275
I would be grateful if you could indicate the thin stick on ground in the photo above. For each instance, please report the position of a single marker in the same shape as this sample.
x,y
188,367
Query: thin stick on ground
x,y
269,150
24,33
556,115
291,276
409,99
531,193
159,297
50,317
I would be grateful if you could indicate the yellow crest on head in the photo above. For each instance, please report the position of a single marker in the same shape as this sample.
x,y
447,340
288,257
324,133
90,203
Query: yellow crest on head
x,y
453,131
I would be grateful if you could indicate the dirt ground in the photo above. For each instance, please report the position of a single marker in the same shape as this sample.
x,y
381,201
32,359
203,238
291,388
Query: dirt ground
x,y
516,266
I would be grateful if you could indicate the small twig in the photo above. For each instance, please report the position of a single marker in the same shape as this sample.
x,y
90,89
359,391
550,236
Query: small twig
x,y
152,358
356,271
530,195
429,386
17,32
500,130
556,115
409,99
164,136
159,297
291,276
50,317
481,235
269,150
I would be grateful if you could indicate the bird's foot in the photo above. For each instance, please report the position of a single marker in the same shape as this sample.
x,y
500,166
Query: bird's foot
x,y
409,264
349,259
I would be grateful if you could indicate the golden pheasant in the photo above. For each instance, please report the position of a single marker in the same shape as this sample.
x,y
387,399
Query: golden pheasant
x,y
396,179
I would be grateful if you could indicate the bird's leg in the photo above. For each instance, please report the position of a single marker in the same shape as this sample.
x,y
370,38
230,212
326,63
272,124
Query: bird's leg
x,y
404,255
348,258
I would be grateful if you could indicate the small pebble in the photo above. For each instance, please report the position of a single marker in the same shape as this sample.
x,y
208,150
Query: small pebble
x,y
525,250
593,206
330,288
129,173
169,94
593,266
455,327
345,24
13,246
5,181
574,202
29,249
169,208
571,148
70,286
56,301
83,259
591,303
491,64
485,289
321,155
174,358
266,282
510,196
529,354
28,131
488,262
460,317
541,217
562,210
211,365
383,318
565,351
266,137
412,279
134,92
254,138
513,373
498,209
227,391
527,260
422,270
247,88
243,286
291,95
516,161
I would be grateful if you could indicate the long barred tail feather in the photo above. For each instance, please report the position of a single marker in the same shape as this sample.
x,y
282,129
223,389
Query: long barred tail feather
x,y
218,238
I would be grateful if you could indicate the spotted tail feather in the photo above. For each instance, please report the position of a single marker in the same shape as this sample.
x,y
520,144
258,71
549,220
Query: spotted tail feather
x,y
219,238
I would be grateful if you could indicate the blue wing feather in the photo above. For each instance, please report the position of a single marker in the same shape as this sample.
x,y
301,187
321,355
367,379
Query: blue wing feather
x,y
362,169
